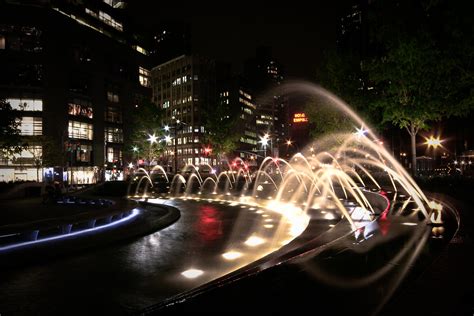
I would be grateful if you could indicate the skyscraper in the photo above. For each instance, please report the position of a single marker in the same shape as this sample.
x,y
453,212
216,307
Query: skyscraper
x,y
72,69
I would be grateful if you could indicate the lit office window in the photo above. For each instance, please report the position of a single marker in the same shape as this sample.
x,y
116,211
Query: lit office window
x,y
113,154
144,77
26,104
113,135
31,126
80,130
78,108
112,96
113,114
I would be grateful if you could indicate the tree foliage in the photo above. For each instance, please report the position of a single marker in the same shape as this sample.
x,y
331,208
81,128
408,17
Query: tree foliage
x,y
45,153
325,119
146,120
421,69
10,139
222,128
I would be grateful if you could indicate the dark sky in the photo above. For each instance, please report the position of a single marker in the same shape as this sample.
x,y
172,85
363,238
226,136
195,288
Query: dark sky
x,y
230,31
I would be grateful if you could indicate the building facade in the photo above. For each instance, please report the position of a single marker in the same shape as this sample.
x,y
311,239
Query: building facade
x,y
185,87
236,93
73,70
264,75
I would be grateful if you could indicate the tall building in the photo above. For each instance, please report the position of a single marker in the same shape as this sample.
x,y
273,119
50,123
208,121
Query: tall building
x,y
235,92
72,69
183,87
353,34
264,74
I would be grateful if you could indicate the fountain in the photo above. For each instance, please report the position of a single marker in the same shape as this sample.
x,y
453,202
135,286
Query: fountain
x,y
351,194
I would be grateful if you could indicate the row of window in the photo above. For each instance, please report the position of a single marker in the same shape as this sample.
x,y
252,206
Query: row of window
x,y
82,130
186,151
20,38
26,104
106,18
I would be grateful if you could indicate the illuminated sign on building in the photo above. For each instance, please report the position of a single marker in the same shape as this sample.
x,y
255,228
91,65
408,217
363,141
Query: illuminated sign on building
x,y
300,118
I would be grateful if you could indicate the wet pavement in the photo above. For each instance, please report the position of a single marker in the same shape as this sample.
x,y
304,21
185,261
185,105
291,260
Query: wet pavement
x,y
126,278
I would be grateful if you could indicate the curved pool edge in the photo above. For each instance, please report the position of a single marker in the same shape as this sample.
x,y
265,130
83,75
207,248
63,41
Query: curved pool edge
x,y
285,258
143,219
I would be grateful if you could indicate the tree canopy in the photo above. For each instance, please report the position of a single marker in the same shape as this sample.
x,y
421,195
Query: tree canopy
x,y
222,128
10,138
146,121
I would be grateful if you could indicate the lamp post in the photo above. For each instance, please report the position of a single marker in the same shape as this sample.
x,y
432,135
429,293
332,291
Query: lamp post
x,y
135,150
167,128
434,142
264,142
152,139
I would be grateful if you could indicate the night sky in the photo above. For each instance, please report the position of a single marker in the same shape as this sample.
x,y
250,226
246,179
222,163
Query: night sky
x,y
298,34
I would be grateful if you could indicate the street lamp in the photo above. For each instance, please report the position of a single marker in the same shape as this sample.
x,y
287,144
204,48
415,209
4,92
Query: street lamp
x,y
135,150
168,139
152,139
434,142
264,141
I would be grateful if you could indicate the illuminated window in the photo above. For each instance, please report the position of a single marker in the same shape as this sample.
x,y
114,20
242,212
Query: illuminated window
x,y
31,126
144,77
141,50
113,135
113,114
81,152
112,96
80,130
26,104
27,156
80,108
110,21
114,154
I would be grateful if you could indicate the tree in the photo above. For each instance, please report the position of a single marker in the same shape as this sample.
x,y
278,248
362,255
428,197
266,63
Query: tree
x,y
45,152
409,84
146,122
222,127
341,73
10,139
420,73
325,119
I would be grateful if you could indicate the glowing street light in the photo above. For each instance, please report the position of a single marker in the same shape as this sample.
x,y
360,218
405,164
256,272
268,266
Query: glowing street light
x,y
264,141
152,138
167,138
135,149
166,128
289,142
433,142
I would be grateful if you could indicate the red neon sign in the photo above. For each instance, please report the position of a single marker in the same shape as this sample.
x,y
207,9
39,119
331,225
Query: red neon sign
x,y
300,118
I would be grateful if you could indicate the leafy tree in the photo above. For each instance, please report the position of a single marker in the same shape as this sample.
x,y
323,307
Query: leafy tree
x,y
222,127
45,152
325,119
10,139
340,73
146,121
410,88
422,68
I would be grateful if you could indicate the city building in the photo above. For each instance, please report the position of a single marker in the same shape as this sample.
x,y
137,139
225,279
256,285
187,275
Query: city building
x,y
264,75
184,87
74,70
236,93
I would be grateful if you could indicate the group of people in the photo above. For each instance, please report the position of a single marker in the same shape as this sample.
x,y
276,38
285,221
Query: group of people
x,y
53,192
